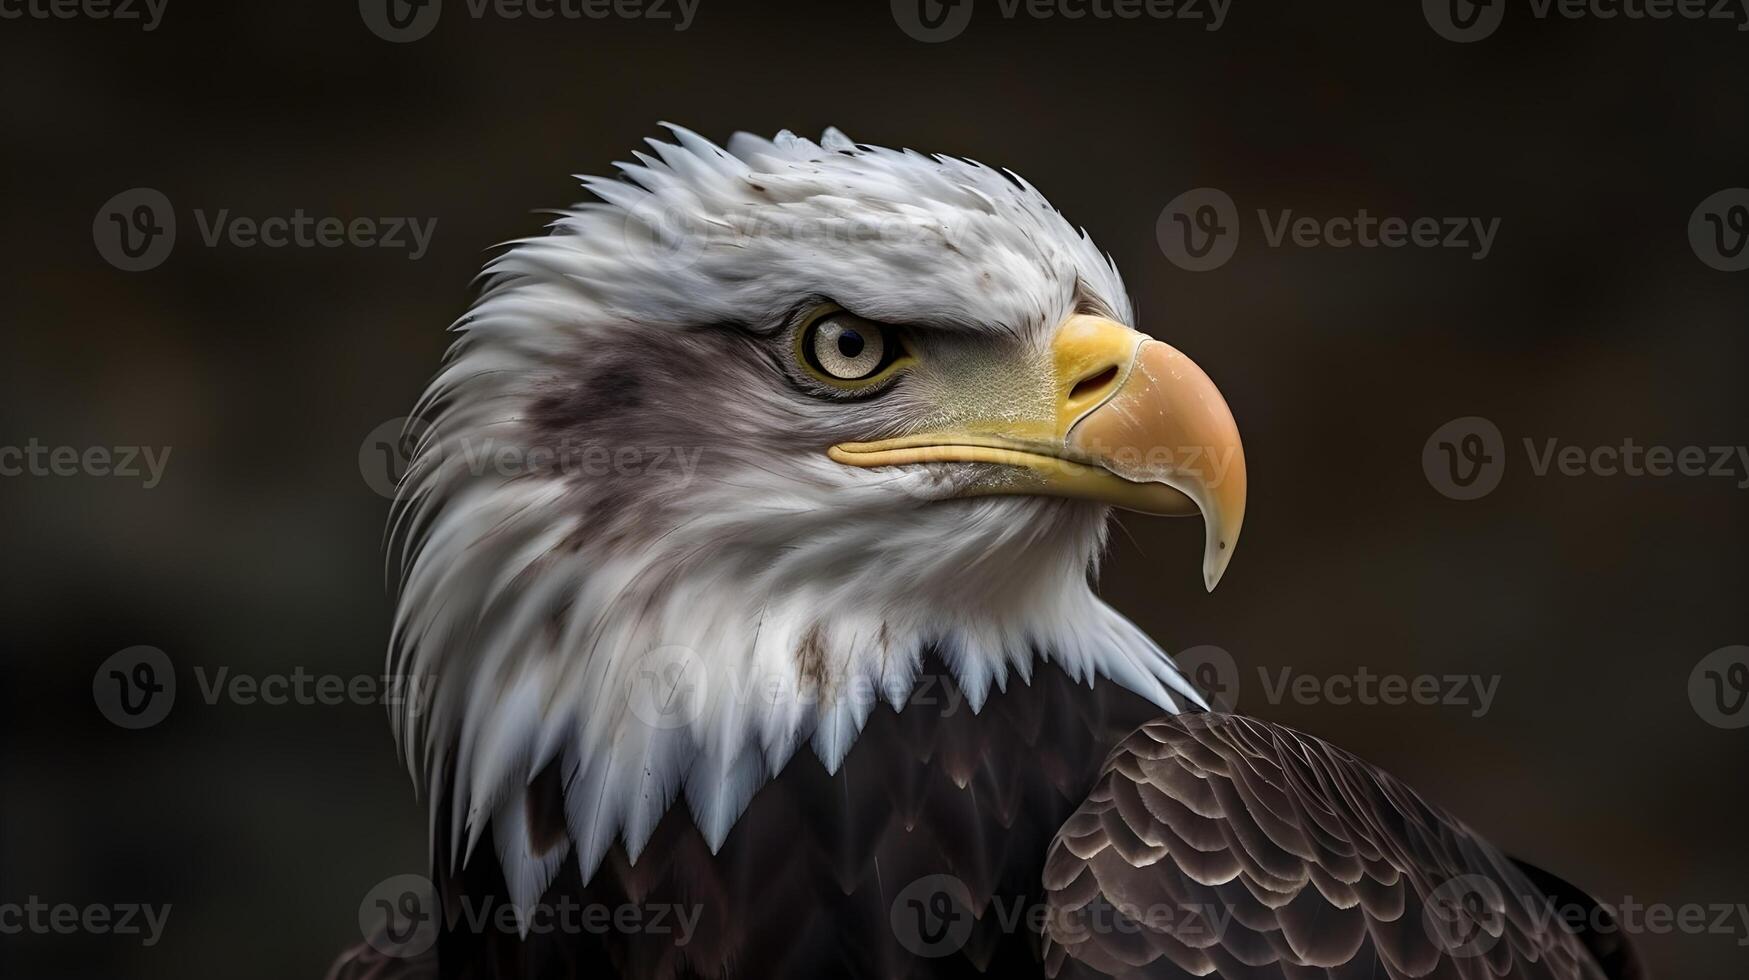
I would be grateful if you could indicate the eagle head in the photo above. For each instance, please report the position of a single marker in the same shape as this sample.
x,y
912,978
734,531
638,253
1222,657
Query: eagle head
x,y
742,440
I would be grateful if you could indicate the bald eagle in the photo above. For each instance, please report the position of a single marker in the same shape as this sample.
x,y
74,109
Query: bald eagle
x,y
746,560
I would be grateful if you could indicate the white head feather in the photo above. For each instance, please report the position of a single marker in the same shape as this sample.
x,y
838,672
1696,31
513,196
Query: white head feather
x,y
560,577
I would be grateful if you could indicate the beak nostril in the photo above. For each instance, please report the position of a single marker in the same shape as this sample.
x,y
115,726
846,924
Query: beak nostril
x,y
1093,385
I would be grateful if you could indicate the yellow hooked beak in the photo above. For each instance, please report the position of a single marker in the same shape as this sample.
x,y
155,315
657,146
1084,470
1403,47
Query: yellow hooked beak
x,y
1137,425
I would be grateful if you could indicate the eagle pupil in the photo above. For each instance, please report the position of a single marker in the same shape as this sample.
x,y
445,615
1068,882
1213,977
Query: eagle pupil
x,y
850,343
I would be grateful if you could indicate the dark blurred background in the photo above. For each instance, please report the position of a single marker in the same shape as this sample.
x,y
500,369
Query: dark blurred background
x,y
1591,599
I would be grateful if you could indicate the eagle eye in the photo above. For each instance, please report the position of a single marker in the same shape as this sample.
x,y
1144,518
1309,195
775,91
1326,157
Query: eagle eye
x,y
848,351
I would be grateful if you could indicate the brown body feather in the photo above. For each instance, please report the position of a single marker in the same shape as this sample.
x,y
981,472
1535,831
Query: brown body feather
x,y
1277,855
1217,845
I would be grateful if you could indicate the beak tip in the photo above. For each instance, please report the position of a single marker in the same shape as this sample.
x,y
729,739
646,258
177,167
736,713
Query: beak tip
x,y
1214,565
